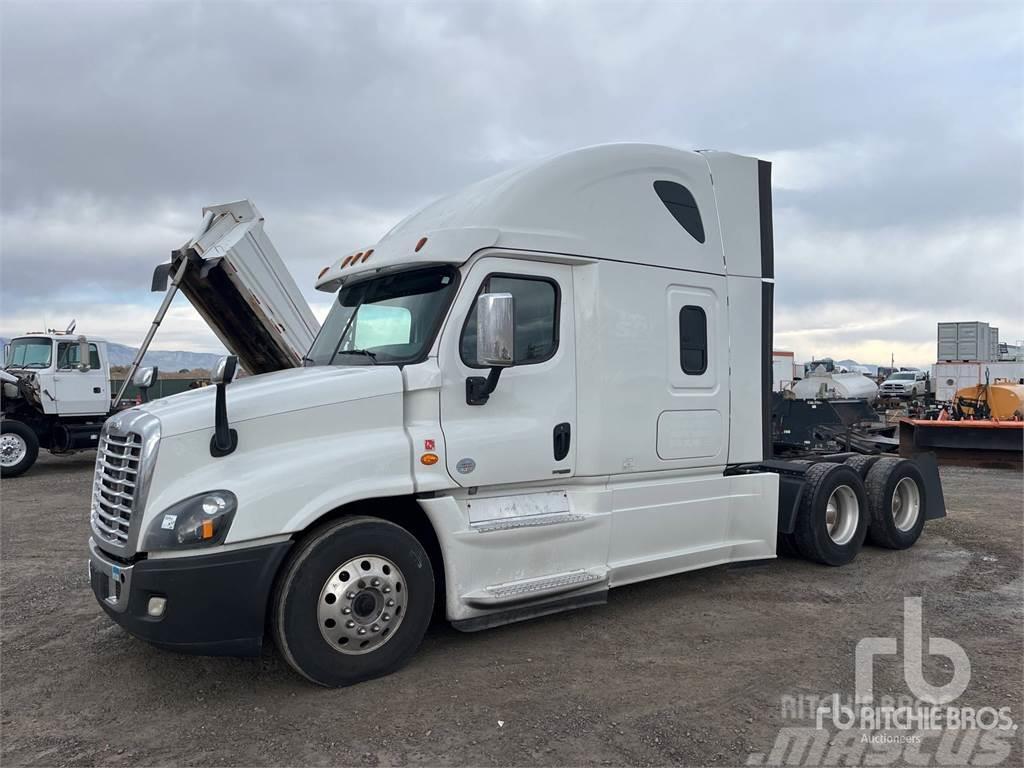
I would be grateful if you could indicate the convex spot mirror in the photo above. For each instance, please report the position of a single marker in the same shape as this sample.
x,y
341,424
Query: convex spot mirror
x,y
145,378
225,370
495,330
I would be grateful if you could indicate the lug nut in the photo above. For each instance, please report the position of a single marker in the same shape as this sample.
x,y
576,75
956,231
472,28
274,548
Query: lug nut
x,y
389,603
386,590
346,611
350,624
361,631
350,595
386,617
375,583
375,628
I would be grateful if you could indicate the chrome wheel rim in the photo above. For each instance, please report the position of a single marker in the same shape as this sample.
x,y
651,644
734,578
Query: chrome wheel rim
x,y
906,504
842,513
362,604
12,449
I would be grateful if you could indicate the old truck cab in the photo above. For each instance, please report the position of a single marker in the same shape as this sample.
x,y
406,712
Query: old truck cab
x,y
554,382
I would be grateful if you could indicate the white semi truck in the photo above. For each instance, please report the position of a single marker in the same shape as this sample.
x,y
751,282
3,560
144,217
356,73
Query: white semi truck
x,y
55,387
555,382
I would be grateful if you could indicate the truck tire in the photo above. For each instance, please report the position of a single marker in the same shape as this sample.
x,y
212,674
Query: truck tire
x,y
353,601
833,516
896,497
19,448
861,464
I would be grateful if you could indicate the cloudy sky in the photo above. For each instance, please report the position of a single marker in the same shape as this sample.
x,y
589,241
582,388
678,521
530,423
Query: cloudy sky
x,y
896,130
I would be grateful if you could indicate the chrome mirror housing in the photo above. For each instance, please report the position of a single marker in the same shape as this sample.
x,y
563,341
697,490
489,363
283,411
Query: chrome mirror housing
x,y
495,330
145,378
225,370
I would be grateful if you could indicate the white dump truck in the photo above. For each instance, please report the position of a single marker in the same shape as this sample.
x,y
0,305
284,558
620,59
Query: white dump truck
x,y
55,395
552,383
55,386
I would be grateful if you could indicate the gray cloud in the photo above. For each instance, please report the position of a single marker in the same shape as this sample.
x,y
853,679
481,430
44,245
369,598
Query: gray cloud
x,y
896,127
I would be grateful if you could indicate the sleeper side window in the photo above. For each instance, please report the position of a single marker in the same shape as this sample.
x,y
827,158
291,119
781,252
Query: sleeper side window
x,y
536,302
693,340
680,203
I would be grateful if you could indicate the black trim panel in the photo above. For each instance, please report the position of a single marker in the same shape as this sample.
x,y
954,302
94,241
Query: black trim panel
x,y
767,330
216,604
764,196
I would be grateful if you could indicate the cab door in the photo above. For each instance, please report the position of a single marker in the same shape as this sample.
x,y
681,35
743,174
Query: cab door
x,y
80,393
526,430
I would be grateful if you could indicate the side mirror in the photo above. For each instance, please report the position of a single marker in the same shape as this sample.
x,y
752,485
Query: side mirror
x,y
83,354
495,330
225,370
495,343
7,354
225,439
145,378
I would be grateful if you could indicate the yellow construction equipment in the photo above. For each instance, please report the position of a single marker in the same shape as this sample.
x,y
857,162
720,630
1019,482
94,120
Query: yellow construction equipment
x,y
1000,401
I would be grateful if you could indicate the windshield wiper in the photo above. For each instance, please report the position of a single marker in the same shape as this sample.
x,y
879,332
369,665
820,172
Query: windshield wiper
x,y
364,352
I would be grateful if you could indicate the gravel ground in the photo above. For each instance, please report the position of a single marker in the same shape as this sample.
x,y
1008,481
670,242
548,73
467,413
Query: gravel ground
x,y
691,669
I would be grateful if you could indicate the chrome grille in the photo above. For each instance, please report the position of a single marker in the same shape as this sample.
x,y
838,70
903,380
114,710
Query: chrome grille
x,y
118,461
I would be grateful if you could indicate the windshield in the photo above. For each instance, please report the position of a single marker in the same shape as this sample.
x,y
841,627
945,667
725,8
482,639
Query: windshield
x,y
902,377
30,353
387,320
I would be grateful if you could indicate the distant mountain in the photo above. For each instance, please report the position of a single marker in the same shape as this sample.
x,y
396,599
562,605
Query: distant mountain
x,y
165,360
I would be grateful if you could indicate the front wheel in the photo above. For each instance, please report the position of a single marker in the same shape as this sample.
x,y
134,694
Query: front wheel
x,y
19,448
353,602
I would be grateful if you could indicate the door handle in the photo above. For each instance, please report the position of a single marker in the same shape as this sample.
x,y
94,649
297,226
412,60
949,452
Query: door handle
x,y
562,438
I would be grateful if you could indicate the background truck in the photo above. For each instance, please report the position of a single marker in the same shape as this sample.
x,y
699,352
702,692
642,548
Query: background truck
x,y
555,382
908,383
56,386
55,396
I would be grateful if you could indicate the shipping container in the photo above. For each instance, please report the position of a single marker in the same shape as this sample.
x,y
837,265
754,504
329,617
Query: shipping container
x,y
970,341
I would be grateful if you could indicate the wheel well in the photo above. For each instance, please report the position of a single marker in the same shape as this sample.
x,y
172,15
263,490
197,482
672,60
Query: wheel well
x,y
403,511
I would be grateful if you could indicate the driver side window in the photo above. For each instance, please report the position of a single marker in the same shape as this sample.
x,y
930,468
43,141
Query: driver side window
x,y
68,356
536,301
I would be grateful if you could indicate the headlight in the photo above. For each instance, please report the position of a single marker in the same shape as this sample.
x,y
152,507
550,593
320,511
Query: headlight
x,y
202,520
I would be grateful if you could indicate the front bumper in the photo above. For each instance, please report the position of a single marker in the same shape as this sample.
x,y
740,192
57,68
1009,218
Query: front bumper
x,y
215,604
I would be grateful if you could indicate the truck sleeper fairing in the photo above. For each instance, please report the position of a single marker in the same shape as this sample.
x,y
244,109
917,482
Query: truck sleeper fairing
x,y
239,285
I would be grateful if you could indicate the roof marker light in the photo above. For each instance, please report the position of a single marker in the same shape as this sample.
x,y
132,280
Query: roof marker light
x,y
346,261
322,272
421,243
367,254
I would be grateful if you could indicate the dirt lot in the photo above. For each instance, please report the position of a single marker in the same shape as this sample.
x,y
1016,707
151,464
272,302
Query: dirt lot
x,y
686,670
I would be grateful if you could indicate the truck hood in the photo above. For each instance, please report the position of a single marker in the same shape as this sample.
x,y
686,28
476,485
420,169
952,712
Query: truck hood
x,y
269,394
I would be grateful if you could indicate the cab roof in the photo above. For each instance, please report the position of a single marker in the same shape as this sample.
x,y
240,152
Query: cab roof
x,y
599,202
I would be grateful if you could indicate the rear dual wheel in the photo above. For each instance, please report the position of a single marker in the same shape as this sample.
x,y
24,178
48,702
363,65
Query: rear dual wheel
x,y
895,489
833,516
353,602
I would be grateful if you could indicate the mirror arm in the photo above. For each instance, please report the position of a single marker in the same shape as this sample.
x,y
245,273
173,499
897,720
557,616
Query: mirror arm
x,y
225,439
479,389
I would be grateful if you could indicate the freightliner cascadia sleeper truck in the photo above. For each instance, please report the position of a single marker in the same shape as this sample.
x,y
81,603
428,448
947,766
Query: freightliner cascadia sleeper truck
x,y
554,382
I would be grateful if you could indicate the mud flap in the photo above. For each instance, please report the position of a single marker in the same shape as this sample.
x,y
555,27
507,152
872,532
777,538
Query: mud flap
x,y
935,502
